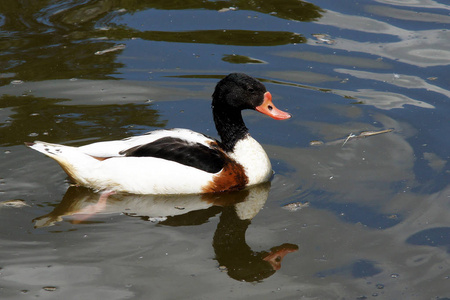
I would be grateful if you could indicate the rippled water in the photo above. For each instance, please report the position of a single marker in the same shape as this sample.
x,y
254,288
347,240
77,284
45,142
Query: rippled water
x,y
351,216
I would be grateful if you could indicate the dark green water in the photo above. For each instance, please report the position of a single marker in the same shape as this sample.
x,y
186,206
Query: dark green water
x,y
374,222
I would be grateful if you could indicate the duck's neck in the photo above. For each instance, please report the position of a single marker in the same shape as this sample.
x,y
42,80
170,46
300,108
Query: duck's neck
x,y
230,126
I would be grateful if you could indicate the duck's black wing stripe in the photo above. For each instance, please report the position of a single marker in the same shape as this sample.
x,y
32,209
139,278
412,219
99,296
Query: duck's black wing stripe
x,y
181,151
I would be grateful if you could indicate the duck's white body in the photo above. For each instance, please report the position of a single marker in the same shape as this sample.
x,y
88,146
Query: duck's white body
x,y
179,161
102,167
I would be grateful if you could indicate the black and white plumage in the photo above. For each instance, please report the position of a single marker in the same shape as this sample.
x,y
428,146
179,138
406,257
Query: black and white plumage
x,y
179,161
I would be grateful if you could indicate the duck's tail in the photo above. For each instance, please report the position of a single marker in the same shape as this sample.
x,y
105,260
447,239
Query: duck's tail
x,y
73,161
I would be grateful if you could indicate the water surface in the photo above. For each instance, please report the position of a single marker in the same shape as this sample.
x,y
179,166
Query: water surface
x,y
372,213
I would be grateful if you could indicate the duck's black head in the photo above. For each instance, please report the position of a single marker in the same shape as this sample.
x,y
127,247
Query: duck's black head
x,y
238,91
234,93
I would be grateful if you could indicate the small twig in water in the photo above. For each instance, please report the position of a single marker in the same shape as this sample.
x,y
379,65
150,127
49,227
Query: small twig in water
x,y
351,135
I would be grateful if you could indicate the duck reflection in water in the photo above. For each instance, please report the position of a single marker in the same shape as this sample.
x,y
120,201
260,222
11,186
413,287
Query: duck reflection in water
x,y
233,254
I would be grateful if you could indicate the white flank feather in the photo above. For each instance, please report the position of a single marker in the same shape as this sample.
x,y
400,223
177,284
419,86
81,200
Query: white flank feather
x,y
140,175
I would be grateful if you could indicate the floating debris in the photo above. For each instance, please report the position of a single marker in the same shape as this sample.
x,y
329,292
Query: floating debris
x,y
16,203
315,143
296,206
225,9
350,137
16,82
49,288
157,219
371,132
223,268
324,38
112,49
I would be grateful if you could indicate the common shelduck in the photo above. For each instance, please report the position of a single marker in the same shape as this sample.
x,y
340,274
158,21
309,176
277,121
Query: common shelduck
x,y
179,161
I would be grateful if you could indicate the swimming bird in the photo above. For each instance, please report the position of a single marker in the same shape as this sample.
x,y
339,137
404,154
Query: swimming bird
x,y
179,161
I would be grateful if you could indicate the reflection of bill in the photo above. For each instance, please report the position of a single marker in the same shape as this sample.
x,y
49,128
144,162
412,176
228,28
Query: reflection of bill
x,y
277,254
238,208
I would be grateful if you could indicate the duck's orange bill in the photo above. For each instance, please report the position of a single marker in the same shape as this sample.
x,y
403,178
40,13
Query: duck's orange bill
x,y
269,109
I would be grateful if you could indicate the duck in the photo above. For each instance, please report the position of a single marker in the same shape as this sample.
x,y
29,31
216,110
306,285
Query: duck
x,y
179,161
